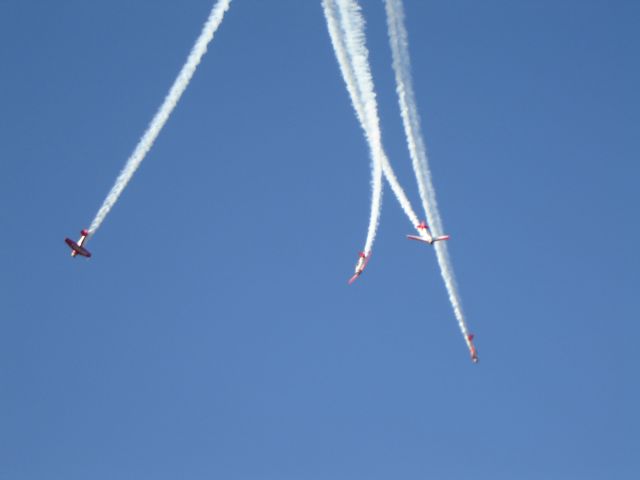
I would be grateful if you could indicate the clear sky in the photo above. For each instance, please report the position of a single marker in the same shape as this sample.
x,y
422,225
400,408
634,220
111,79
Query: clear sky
x,y
213,334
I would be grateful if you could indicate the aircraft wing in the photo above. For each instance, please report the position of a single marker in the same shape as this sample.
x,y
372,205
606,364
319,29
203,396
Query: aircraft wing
x,y
418,238
77,248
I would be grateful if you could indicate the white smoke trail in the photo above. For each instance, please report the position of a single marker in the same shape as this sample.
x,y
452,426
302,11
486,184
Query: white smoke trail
x,y
353,27
162,115
344,55
418,152
346,28
340,49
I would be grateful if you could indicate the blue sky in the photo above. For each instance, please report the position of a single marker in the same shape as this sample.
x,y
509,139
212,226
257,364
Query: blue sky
x,y
213,333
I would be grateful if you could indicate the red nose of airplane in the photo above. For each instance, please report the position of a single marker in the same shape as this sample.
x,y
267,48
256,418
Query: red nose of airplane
x,y
84,232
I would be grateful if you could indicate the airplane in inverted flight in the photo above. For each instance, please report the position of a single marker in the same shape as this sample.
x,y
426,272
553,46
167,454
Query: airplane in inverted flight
x,y
474,354
76,247
425,235
362,263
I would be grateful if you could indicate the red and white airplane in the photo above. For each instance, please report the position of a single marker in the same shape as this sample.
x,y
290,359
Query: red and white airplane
x,y
472,349
362,263
425,235
76,247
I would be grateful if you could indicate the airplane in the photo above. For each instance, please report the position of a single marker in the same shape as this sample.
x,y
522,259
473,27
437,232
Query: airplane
x,y
76,247
425,236
474,354
362,263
